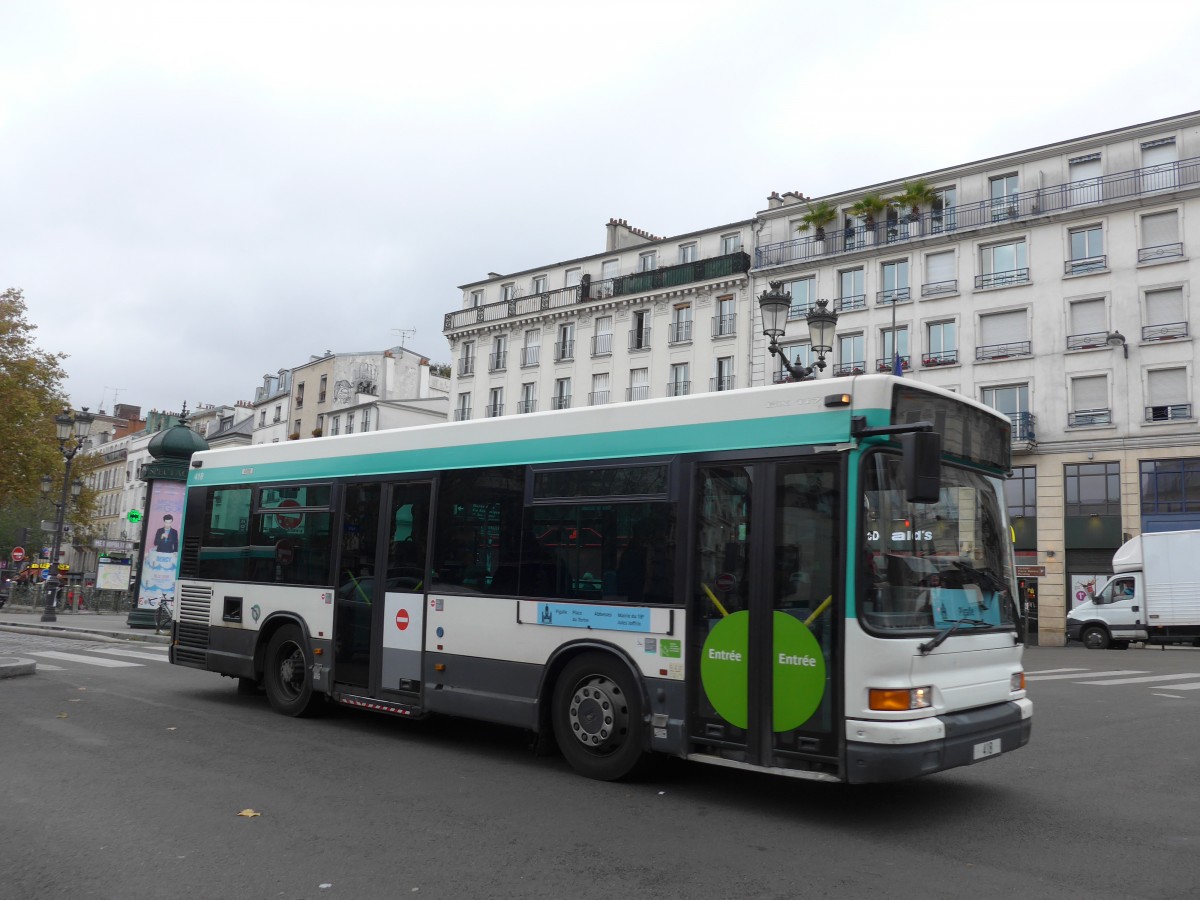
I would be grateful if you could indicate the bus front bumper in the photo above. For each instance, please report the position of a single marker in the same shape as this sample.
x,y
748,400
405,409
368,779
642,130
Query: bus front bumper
x,y
954,739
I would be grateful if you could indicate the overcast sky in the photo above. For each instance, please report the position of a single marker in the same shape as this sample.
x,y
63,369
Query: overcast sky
x,y
195,194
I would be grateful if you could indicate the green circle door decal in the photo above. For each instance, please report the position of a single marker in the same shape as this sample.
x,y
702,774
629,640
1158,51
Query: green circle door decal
x,y
798,670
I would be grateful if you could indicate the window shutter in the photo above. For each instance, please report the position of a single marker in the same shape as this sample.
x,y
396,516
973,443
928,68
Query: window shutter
x,y
1167,387
1090,392
1160,228
1165,307
1087,317
939,267
1159,154
1003,328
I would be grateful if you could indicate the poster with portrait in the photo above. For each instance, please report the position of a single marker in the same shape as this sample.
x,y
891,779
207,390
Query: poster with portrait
x,y
160,553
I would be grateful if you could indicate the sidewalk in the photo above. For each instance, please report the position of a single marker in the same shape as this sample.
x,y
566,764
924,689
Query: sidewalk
x,y
82,626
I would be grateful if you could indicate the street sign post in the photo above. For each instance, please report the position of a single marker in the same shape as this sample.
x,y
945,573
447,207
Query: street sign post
x,y
18,554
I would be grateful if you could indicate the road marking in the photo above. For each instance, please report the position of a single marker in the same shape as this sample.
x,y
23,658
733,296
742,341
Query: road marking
x,y
1172,696
1092,675
46,667
1051,672
87,660
1186,687
1143,680
135,654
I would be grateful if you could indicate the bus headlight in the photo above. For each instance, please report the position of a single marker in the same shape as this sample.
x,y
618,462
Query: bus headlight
x,y
1017,682
900,699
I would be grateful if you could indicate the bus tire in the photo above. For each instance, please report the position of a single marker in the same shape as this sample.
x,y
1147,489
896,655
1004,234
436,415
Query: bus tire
x,y
1094,637
288,674
597,718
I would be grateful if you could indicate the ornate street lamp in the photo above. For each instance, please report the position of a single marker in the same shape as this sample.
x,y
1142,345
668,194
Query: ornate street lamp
x,y
822,322
72,434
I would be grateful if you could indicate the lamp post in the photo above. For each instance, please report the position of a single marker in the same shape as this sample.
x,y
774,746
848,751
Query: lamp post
x,y
72,433
821,320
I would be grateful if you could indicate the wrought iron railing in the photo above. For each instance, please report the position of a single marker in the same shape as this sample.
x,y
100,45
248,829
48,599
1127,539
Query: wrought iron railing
x,y
1169,412
1002,279
1162,251
941,358
462,414
497,361
724,326
850,368
529,355
1088,341
598,398
562,401
799,310
724,266
1167,332
637,392
466,366
1089,417
602,344
933,288
895,295
1004,351
564,350
679,332
494,410
1041,201
1083,266
722,383
639,338
1022,427
853,301
678,388
886,364
527,406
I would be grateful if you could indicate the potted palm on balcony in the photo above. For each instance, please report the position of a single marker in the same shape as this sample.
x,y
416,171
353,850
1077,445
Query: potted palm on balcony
x,y
818,216
915,195
869,208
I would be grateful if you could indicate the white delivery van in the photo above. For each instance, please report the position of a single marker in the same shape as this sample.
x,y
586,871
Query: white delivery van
x,y
1154,595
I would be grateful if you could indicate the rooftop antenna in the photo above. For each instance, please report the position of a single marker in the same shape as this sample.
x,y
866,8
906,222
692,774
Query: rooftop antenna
x,y
405,334
116,393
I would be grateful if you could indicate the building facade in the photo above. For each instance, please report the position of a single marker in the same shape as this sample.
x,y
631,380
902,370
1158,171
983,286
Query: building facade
x,y
1053,284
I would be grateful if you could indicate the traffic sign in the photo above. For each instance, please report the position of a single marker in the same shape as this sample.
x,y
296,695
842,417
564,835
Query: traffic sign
x,y
402,619
18,554
288,522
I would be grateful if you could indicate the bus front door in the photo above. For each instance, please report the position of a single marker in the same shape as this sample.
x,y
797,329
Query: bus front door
x,y
766,540
380,599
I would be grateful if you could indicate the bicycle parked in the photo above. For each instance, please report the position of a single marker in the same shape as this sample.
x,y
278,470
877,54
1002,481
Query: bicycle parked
x,y
164,614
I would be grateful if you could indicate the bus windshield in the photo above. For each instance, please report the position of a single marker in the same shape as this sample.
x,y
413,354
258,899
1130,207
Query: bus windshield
x,y
927,566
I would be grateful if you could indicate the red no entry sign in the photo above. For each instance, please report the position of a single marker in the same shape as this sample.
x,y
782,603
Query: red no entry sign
x,y
286,521
18,554
725,582
402,619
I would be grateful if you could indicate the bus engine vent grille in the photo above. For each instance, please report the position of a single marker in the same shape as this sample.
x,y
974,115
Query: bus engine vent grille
x,y
191,631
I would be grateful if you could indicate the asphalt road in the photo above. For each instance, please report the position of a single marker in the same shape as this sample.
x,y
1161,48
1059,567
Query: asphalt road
x,y
126,782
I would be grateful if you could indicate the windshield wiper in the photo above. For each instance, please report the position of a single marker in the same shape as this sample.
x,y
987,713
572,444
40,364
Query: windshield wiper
x,y
928,646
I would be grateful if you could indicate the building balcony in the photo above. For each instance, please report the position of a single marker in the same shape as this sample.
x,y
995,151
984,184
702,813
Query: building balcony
x,y
941,358
726,326
1022,427
1089,417
639,338
1113,188
679,332
1168,413
637,392
722,383
1086,265
886,364
1004,351
678,388
466,366
1089,341
498,361
850,368
715,267
1162,251
1002,279
598,398
799,311
494,411
562,401
529,356
891,297
462,414
934,288
1169,332
527,406
602,345
853,301
564,350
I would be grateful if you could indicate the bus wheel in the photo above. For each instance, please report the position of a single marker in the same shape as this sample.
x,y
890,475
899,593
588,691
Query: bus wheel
x,y
288,674
598,718
1094,638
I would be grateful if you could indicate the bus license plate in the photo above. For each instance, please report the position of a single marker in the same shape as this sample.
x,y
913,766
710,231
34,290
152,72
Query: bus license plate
x,y
987,748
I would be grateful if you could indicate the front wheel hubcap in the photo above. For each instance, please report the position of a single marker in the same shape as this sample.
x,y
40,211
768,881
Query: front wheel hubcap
x,y
598,714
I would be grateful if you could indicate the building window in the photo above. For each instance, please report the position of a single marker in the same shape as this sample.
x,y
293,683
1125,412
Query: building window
x,y
572,277
562,393
349,423
1084,175
602,339
528,402
851,293
1170,486
1087,250
609,269
1087,324
495,402
1003,193
1160,165
296,427
803,292
1160,236
725,321
508,292
1167,395
600,390
639,384
1092,489
730,243
335,425
852,354
943,214
1013,401
681,324
539,284
941,275
895,282
321,389
499,357
532,348
463,411
300,395
724,379
895,343
942,344
1166,315
798,355
262,419
1004,334
1020,492
366,419
1089,401
647,262
680,383
687,253
1003,264
639,334
476,298
564,347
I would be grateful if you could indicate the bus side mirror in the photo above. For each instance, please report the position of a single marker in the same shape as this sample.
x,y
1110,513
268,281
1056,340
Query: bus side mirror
x,y
922,466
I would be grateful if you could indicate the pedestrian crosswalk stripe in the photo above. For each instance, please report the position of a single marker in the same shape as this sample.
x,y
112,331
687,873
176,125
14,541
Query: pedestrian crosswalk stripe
x,y
87,660
1078,674
1142,680
1051,672
132,654
1186,687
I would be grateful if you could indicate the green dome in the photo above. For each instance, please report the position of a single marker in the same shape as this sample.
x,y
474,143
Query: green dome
x,y
177,442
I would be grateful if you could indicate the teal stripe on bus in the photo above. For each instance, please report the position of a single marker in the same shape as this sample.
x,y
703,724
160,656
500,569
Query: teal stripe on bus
x,y
825,427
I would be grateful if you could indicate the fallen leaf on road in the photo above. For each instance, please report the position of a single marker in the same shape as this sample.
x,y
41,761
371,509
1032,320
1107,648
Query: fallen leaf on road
x,y
74,700
62,715
170,728
249,813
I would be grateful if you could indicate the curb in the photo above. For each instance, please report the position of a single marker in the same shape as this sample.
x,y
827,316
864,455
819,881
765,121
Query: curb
x,y
12,666
83,634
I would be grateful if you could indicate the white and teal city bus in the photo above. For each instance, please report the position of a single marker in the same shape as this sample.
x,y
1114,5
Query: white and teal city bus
x,y
809,579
